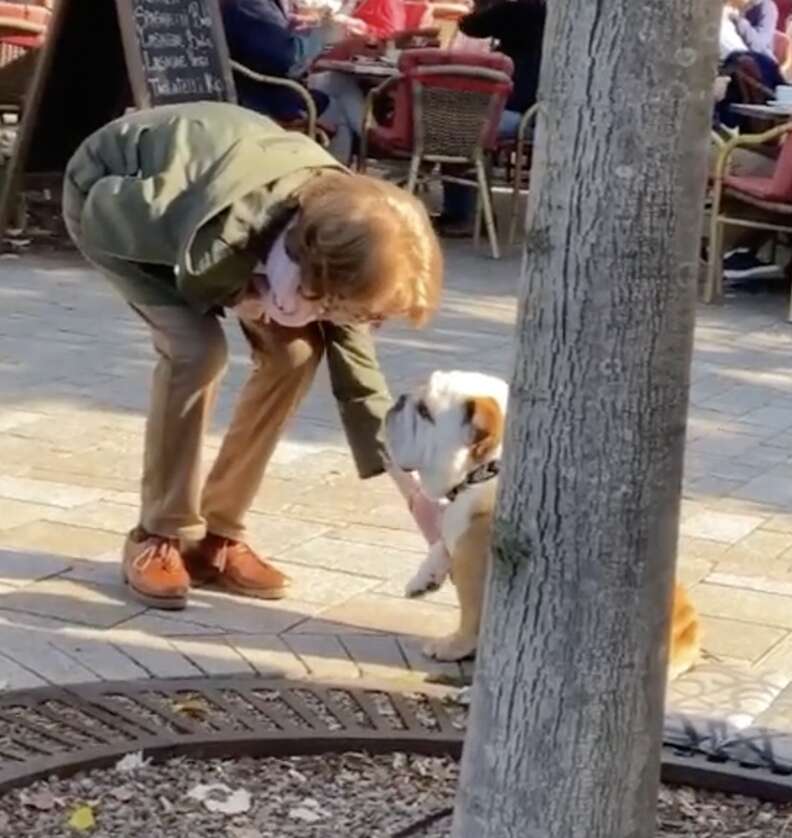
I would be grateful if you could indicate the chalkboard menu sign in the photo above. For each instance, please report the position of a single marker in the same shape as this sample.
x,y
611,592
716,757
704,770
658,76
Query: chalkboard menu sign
x,y
176,51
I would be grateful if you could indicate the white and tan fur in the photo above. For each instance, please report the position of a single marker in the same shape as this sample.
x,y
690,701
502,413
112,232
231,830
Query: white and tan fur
x,y
443,431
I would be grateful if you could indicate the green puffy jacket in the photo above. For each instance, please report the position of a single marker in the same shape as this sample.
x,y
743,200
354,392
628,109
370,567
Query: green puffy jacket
x,y
166,201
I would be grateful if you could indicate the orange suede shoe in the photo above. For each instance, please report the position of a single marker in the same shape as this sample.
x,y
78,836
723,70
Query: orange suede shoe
x,y
153,568
235,566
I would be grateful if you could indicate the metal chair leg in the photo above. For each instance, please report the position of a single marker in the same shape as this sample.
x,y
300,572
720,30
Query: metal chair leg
x,y
789,314
486,202
514,210
412,180
714,284
478,220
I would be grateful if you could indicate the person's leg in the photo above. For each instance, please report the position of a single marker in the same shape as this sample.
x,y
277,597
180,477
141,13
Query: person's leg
x,y
741,245
459,205
284,364
192,356
509,125
345,110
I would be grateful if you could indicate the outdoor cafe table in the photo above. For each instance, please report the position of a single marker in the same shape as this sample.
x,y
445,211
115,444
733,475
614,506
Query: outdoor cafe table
x,y
770,113
368,71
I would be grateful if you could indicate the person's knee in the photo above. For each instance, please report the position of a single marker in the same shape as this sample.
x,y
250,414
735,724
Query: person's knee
x,y
302,352
204,358
289,351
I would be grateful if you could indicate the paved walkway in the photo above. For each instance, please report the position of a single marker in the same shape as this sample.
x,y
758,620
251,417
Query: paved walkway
x,y
74,366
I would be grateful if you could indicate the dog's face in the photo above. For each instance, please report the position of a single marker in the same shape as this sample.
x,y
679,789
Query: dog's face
x,y
447,427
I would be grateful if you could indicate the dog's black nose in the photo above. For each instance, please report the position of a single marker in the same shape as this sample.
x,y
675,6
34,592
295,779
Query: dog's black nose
x,y
400,402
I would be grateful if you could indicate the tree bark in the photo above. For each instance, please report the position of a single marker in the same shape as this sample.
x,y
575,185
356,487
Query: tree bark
x,y
566,720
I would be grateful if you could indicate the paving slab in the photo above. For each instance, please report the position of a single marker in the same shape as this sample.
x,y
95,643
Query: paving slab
x,y
376,562
156,655
378,657
19,568
75,602
213,655
59,539
268,655
724,638
324,656
99,657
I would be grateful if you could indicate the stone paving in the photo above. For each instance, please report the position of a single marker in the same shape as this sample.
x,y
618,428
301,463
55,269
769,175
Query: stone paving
x,y
74,367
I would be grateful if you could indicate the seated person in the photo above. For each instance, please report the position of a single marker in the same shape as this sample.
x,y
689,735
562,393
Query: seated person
x,y
382,18
263,38
747,28
755,22
518,26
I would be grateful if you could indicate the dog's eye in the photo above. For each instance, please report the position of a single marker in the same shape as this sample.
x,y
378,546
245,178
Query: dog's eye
x,y
423,411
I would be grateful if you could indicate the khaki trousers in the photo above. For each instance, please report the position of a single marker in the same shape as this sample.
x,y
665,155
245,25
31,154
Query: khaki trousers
x,y
192,356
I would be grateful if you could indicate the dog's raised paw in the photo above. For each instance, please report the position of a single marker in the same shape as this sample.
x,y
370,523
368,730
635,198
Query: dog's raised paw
x,y
420,585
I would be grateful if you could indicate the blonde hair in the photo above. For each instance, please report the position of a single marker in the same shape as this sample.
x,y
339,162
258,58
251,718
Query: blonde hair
x,y
366,242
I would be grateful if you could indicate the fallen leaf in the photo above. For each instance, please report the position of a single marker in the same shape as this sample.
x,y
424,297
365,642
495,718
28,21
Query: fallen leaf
x,y
131,762
82,819
220,798
192,707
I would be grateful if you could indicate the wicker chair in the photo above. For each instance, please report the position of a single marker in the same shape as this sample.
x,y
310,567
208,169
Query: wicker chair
x,y
446,110
309,124
758,203
512,175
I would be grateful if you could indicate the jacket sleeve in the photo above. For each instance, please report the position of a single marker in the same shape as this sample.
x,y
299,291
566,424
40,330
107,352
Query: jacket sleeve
x,y
119,209
759,38
259,37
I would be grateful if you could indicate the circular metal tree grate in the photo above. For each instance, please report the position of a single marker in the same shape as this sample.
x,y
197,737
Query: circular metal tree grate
x,y
59,731
63,730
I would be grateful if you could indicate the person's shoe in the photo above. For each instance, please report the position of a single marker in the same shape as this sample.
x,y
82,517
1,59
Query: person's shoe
x,y
236,567
741,264
153,568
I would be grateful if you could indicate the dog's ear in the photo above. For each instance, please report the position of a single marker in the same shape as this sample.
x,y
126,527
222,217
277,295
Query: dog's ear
x,y
485,418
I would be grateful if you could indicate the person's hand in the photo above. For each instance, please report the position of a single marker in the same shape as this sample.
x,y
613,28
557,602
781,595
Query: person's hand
x,y
352,26
304,21
415,38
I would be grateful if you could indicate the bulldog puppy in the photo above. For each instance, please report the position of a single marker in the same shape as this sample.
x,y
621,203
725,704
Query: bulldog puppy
x,y
450,433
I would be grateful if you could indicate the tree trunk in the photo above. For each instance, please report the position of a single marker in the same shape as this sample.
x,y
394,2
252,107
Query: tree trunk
x,y
566,720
